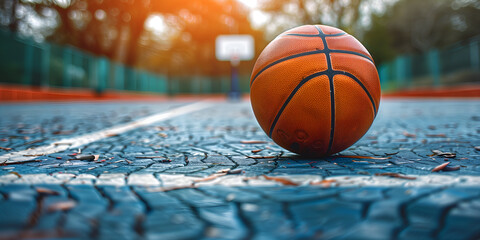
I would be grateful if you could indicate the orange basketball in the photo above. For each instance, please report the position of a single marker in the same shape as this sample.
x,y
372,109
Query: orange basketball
x,y
315,90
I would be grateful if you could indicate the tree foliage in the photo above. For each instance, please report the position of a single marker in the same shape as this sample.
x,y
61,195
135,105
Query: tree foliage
x,y
378,40
181,39
412,26
344,14
117,29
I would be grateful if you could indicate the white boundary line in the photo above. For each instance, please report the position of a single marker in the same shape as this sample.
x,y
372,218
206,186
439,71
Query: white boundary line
x,y
164,182
75,142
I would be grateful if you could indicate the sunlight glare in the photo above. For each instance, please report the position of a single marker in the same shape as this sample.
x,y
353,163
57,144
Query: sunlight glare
x,y
156,23
258,18
252,4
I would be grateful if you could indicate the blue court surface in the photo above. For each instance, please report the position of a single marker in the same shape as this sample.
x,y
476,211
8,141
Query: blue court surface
x,y
205,170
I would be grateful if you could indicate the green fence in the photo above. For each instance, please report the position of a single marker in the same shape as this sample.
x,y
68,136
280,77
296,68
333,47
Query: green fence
x,y
24,61
454,65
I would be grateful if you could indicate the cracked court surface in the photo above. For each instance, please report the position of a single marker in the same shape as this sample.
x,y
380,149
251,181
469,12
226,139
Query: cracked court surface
x,y
211,172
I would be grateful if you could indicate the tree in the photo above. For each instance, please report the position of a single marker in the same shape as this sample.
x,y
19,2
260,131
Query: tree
x,y
190,48
420,25
411,26
289,13
116,29
24,16
378,39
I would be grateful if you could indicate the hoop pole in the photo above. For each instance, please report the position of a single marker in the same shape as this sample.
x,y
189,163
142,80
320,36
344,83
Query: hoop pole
x,y
234,83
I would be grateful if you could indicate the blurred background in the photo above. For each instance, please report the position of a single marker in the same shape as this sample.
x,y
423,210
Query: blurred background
x,y
167,47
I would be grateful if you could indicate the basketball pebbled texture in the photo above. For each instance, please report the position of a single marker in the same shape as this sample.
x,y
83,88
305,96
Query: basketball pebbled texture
x,y
315,90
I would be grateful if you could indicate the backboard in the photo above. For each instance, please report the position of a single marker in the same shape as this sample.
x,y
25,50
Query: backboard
x,y
234,47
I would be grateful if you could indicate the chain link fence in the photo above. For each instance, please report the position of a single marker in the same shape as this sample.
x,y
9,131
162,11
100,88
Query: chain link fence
x,y
29,63
26,62
454,65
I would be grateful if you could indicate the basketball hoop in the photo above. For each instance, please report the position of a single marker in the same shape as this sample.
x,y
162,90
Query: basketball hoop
x,y
234,48
229,47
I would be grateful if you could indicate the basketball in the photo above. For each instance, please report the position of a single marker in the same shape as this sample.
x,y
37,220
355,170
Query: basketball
x,y
315,90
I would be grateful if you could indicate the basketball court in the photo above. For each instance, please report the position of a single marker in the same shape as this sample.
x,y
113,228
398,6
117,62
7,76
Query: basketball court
x,y
161,170
239,119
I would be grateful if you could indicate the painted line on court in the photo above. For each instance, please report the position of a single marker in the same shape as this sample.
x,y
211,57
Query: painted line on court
x,y
75,142
166,182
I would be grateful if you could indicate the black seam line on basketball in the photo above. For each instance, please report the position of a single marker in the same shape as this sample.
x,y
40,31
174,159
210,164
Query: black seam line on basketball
x,y
287,101
320,32
326,50
316,35
332,111
351,52
285,59
330,74
323,35
361,85
306,54
324,41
